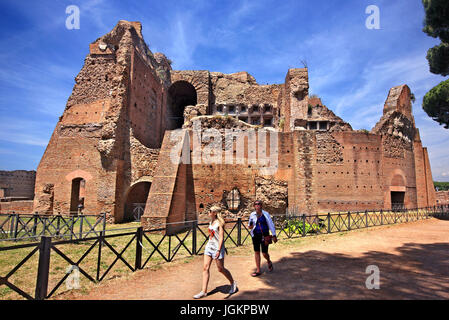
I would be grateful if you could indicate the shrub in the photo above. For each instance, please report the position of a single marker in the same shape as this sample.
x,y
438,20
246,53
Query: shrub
x,y
296,226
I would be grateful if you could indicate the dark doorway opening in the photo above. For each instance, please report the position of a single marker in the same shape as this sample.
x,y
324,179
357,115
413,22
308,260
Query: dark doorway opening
x,y
77,196
136,200
397,200
180,95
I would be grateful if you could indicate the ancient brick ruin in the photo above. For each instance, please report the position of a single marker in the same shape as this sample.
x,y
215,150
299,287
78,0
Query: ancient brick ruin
x,y
442,197
17,191
114,145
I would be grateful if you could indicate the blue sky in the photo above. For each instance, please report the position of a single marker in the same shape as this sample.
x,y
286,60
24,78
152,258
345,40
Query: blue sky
x,y
350,67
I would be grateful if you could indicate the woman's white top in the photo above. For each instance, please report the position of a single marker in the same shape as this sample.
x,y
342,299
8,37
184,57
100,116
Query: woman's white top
x,y
213,243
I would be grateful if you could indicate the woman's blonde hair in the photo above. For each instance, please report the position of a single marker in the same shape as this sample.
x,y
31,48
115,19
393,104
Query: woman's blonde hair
x,y
220,219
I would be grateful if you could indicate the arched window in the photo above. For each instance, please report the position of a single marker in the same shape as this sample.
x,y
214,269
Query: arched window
x,y
180,95
136,200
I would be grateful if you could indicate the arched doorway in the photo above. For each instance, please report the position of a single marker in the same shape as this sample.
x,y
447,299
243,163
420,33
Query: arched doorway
x,y
135,201
77,195
180,95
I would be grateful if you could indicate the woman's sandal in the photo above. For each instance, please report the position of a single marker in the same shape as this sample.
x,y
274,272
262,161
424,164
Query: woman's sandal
x,y
255,274
270,266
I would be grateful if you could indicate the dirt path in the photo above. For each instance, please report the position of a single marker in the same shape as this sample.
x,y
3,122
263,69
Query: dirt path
x,y
413,260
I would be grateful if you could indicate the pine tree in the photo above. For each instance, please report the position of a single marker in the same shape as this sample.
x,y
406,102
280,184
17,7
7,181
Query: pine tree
x,y
436,24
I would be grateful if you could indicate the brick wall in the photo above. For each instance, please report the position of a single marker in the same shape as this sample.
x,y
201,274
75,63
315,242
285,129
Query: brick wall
x,y
18,183
22,206
442,197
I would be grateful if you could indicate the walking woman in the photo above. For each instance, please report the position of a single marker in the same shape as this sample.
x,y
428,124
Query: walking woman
x,y
260,225
215,250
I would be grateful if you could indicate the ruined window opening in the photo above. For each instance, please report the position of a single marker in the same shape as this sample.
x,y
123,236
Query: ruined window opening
x,y
267,122
323,125
231,109
267,108
201,206
242,109
255,121
180,95
233,199
256,109
300,95
312,125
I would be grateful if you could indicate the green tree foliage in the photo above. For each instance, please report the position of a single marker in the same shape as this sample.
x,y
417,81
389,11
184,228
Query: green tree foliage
x,y
436,103
436,24
438,58
442,186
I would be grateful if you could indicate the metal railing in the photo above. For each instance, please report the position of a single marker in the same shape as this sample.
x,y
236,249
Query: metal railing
x,y
14,226
142,246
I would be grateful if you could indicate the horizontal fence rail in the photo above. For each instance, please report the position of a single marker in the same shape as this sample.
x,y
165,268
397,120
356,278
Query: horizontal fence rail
x,y
99,253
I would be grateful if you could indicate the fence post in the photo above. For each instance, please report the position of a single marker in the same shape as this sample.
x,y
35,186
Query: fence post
x,y
139,237
100,244
328,222
16,227
239,231
366,218
349,220
43,268
11,224
169,246
45,222
104,222
58,223
303,225
381,217
72,222
194,226
36,216
81,216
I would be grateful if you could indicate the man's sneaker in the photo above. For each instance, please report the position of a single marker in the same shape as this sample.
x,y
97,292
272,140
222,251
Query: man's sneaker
x,y
233,288
200,295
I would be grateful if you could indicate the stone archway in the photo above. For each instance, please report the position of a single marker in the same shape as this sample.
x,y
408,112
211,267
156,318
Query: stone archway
x,y
135,200
180,95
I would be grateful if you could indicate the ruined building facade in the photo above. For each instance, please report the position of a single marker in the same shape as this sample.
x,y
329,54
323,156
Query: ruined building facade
x,y
113,146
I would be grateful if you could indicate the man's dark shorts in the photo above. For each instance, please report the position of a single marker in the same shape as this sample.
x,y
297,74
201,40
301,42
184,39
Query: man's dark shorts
x,y
259,243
